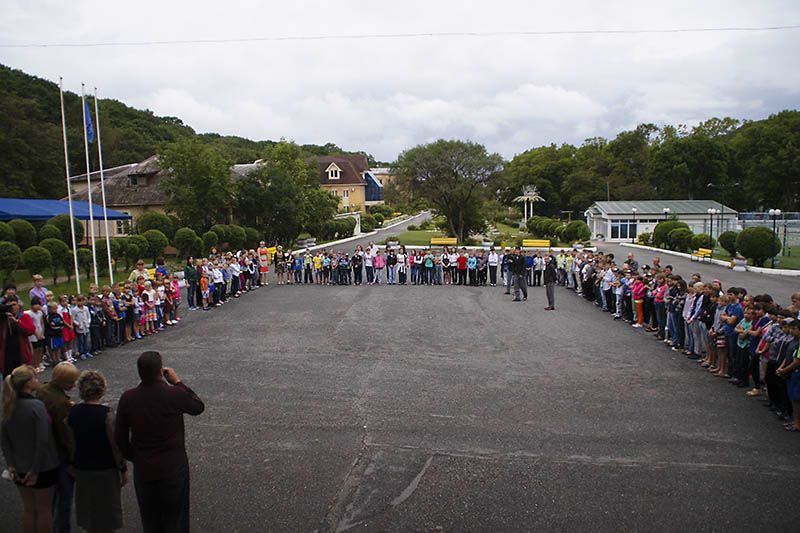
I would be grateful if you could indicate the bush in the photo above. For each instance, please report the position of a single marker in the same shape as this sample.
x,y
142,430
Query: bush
x,y
10,258
6,232
701,240
185,239
221,230
680,239
381,209
758,244
210,239
62,223
413,227
49,231
117,253
85,261
662,230
577,231
347,226
727,240
236,236
24,233
379,218
36,259
253,237
60,255
158,221
135,247
368,223
645,239
156,242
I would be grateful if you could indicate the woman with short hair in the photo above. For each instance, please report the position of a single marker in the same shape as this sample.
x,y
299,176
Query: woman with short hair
x,y
100,470
29,448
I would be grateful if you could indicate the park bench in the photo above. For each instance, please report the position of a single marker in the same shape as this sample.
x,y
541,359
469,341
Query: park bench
x,y
702,254
536,243
444,241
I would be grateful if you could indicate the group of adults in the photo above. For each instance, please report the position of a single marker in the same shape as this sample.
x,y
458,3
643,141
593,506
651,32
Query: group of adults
x,y
59,453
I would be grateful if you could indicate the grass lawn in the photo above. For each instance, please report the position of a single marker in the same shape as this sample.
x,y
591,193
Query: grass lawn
x,y
791,262
416,238
513,230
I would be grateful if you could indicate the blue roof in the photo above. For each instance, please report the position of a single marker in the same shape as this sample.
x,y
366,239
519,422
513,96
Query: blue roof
x,y
29,209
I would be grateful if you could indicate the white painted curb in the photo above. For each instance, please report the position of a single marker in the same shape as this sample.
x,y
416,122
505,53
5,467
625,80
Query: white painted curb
x,y
726,264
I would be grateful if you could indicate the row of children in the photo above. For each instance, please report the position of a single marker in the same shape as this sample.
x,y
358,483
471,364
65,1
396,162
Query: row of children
x,y
747,339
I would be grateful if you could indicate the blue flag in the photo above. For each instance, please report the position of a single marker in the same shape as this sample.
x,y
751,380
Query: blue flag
x,y
89,125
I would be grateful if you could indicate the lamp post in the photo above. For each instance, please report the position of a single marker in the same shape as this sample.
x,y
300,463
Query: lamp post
x,y
711,213
774,213
666,211
633,236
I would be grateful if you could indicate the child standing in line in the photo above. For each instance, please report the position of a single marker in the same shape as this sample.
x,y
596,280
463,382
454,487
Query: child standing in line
x,y
204,290
82,321
159,303
176,299
167,302
53,326
137,313
37,339
68,332
150,315
96,325
318,268
110,314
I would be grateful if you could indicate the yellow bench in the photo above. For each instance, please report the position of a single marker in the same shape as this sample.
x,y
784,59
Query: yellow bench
x,y
703,254
536,243
444,241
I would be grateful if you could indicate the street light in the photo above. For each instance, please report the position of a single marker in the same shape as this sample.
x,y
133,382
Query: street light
x,y
633,235
711,213
666,211
774,213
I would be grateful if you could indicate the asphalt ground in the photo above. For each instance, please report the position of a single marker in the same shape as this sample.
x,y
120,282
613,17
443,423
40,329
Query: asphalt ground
x,y
452,408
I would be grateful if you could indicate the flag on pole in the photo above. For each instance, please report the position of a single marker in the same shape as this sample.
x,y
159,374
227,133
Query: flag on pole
x,y
89,125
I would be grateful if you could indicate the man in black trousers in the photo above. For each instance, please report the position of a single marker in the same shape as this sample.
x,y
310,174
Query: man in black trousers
x,y
516,267
550,279
149,431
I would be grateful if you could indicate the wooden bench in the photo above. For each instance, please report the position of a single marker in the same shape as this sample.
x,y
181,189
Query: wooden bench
x,y
703,254
536,243
444,241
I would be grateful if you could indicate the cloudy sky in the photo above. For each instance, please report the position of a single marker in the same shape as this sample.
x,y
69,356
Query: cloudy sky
x,y
382,95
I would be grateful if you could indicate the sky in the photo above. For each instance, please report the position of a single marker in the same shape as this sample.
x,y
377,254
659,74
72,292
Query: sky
x,y
384,95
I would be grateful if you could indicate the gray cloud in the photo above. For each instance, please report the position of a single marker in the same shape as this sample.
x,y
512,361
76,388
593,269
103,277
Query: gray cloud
x,y
382,96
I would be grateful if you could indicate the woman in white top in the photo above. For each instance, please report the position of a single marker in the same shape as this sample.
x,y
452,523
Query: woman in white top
x,y
493,260
453,265
402,265
368,255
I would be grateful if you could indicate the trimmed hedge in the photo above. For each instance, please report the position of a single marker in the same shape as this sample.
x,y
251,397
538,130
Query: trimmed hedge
x,y
701,240
36,259
663,229
758,244
727,240
49,231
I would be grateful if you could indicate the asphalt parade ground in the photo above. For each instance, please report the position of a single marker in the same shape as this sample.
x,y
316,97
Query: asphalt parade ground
x,y
452,408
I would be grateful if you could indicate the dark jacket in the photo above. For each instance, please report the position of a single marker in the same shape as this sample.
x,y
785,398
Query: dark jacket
x,y
149,428
550,274
58,405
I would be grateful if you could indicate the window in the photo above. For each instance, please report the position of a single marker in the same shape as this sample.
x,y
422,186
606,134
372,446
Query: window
x,y
333,174
346,193
623,229
133,180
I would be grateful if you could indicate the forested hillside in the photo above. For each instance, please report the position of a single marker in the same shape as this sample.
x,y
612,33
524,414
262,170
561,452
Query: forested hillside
x,y
31,148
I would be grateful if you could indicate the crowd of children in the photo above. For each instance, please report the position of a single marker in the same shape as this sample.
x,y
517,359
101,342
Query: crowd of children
x,y
749,340
81,326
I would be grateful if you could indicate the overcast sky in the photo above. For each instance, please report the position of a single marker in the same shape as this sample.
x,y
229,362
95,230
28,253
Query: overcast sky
x,y
385,95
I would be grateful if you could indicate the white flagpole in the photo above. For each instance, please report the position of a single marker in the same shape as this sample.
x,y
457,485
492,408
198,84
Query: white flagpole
x,y
69,189
89,183
103,186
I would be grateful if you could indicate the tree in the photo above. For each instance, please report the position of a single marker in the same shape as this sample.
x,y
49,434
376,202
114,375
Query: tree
x,y
453,176
117,253
136,247
60,254
85,261
49,231
577,230
199,186
6,232
758,244
210,239
222,233
320,208
10,257
253,237
680,239
662,230
153,220
185,239
36,259
546,168
24,233
727,240
236,236
62,223
156,242
701,240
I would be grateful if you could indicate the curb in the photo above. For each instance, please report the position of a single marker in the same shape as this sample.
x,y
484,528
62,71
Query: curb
x,y
726,264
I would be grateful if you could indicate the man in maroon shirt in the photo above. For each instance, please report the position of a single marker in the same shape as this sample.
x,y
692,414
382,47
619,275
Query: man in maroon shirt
x,y
149,431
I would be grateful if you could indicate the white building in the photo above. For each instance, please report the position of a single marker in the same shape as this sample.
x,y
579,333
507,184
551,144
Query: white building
x,y
623,221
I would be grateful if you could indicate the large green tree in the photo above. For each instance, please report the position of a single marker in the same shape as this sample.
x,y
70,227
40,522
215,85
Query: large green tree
x,y
546,168
199,186
454,177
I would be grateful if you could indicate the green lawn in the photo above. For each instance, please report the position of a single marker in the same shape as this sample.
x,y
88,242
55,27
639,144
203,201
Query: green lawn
x,y
415,238
790,261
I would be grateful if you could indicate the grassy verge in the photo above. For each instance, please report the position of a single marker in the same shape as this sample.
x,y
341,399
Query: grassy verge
x,y
415,237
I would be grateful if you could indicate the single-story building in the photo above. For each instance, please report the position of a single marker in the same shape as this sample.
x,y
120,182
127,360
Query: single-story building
x,y
625,220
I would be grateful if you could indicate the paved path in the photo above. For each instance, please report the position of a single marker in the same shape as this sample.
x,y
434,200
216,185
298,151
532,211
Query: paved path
x,y
779,287
416,408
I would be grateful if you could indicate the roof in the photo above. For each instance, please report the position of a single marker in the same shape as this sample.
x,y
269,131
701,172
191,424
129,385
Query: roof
x,y
350,165
380,171
656,207
120,192
30,209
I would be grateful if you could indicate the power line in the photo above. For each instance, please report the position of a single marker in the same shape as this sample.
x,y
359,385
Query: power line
x,y
279,38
